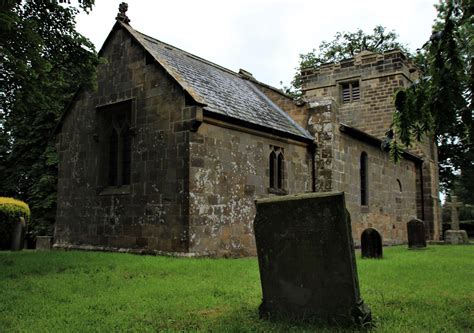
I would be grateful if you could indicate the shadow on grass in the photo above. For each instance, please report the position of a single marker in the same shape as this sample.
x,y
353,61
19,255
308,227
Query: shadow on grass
x,y
247,319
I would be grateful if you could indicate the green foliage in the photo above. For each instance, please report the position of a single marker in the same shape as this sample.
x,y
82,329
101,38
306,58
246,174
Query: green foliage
x,y
440,103
10,212
44,61
14,208
345,45
408,291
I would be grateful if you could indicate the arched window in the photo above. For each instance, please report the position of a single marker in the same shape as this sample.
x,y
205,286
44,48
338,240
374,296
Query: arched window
x,y
113,156
280,171
272,169
399,185
277,167
364,189
117,144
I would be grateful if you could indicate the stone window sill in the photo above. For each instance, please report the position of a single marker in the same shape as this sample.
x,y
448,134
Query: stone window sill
x,y
364,209
116,190
277,191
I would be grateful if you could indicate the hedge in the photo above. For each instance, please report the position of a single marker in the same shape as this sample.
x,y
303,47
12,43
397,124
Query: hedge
x,y
10,211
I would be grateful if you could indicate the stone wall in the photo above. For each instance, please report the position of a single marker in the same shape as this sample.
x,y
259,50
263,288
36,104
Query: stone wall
x,y
151,212
229,170
379,77
391,190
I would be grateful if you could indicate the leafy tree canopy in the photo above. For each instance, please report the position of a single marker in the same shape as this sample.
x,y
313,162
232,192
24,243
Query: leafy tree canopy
x,y
440,103
44,60
345,45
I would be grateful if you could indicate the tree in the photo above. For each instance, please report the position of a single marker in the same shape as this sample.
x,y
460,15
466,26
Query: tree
x,y
44,61
440,103
345,45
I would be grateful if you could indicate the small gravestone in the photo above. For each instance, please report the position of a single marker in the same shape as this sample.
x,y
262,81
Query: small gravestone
x,y
18,235
43,243
455,235
371,244
306,259
416,234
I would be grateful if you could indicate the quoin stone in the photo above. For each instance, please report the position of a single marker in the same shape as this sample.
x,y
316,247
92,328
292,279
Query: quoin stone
x,y
306,259
416,234
371,244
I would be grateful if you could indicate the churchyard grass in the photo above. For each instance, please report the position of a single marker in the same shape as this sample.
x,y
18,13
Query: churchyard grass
x,y
428,290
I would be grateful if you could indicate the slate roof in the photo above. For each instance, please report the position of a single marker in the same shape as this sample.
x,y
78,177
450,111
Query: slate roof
x,y
221,91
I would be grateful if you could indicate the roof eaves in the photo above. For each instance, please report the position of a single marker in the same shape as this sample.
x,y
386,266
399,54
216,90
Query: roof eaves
x,y
260,128
374,141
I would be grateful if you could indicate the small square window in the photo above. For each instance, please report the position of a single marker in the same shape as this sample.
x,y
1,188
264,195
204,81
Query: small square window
x,y
350,92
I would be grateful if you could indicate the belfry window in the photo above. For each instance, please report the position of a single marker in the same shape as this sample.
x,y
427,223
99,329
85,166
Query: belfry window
x,y
276,167
364,193
350,92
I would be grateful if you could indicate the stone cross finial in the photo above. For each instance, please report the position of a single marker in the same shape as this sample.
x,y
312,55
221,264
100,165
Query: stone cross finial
x,y
454,205
122,16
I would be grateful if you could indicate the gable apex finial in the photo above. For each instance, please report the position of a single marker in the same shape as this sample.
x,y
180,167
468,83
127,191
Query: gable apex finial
x,y
122,16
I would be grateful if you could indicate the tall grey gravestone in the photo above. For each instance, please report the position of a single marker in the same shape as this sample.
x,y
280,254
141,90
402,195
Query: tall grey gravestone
x,y
18,235
416,234
306,259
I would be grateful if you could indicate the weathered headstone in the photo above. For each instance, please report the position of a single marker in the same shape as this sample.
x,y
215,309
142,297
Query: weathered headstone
x,y
416,234
306,259
43,243
455,235
18,234
371,244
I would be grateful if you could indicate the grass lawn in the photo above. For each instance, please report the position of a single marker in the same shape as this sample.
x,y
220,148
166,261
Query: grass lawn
x,y
408,291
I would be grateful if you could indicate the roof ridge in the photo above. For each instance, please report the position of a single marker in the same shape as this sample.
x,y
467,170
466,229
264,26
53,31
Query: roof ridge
x,y
191,55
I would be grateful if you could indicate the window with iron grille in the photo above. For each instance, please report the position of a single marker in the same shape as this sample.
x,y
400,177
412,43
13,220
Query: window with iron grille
x,y
350,92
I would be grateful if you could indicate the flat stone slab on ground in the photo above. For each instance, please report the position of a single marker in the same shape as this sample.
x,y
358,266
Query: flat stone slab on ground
x,y
306,259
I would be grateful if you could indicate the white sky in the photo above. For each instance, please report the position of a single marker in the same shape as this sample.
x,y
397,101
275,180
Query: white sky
x,y
264,37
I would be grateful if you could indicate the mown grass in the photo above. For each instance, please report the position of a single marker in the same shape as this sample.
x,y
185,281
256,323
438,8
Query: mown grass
x,y
408,291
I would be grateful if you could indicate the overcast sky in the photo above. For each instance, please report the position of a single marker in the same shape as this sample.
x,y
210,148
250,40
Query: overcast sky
x,y
264,37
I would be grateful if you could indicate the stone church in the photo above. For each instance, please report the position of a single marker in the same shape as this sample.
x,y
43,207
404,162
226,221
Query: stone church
x,y
170,151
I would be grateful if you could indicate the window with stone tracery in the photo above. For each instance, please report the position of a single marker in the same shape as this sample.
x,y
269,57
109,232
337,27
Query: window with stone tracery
x,y
276,167
116,143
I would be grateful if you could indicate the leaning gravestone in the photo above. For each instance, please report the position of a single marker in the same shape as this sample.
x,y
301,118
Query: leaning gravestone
x,y
371,244
18,234
416,234
306,259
